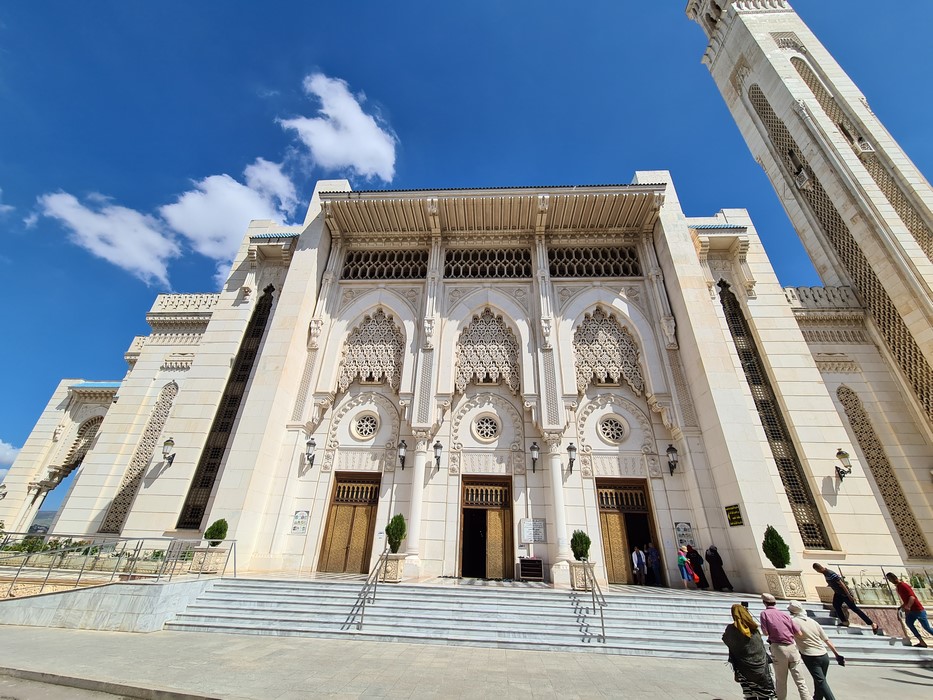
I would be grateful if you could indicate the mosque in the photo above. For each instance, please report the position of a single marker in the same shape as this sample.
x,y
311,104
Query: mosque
x,y
506,366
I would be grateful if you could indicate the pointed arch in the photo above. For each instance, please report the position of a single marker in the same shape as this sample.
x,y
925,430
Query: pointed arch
x,y
487,350
604,349
83,441
374,350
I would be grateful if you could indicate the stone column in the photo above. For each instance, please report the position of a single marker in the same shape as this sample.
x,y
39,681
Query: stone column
x,y
557,490
417,497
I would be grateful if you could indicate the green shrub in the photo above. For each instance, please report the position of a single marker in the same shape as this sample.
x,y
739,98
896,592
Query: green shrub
x,y
580,545
396,532
775,548
216,532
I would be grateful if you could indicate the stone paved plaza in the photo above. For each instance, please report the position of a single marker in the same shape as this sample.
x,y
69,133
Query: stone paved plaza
x,y
266,668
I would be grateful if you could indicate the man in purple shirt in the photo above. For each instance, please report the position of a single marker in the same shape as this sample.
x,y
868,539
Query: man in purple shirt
x,y
781,629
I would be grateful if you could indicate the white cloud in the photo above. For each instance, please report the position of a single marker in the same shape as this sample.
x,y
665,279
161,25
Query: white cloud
x,y
7,453
344,137
3,472
31,220
214,215
5,208
136,242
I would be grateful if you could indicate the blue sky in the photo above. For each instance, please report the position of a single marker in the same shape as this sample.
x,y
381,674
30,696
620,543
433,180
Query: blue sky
x,y
137,140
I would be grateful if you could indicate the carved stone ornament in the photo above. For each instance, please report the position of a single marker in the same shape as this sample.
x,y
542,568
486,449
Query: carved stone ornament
x,y
374,350
786,585
501,406
487,351
670,332
627,409
314,332
428,333
605,350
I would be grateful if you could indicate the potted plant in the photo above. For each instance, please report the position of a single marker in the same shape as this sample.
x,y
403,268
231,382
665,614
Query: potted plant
x,y
208,560
580,546
782,583
396,531
216,532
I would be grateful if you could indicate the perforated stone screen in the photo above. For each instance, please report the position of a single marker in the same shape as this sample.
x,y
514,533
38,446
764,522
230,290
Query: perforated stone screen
x,y
615,261
385,265
507,263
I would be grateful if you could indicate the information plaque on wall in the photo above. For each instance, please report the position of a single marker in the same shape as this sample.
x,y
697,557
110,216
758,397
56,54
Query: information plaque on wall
x,y
300,522
734,515
532,530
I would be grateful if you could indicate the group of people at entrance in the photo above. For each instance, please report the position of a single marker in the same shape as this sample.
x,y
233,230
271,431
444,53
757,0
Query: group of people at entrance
x,y
796,641
646,567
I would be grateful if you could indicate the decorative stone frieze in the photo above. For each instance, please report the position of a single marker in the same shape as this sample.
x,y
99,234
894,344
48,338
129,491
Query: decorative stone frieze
x,y
487,350
373,352
605,350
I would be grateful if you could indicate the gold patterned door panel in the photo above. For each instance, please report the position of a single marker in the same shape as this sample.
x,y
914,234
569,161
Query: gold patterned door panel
x,y
616,501
495,499
348,536
615,548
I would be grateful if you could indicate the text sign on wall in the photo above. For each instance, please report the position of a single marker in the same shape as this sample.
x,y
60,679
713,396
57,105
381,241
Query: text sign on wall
x,y
684,533
300,522
734,515
532,530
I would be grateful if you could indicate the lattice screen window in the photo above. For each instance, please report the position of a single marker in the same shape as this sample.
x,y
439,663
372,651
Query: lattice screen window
x,y
612,429
83,441
133,476
486,495
385,265
628,499
202,484
507,263
905,523
606,352
487,352
798,491
352,492
373,352
619,261
885,181
887,319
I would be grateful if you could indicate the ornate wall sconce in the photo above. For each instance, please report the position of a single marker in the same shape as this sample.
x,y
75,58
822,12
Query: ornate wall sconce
x,y
571,456
846,468
310,446
402,451
672,458
438,448
168,451
535,453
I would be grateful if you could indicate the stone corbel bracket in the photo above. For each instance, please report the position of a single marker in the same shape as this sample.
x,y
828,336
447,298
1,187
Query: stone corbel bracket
x,y
272,248
663,406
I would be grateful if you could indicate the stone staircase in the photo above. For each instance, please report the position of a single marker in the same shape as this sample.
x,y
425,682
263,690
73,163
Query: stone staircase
x,y
639,621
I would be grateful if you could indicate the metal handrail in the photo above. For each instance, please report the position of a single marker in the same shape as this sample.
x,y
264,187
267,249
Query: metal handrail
x,y
861,578
368,592
171,551
598,599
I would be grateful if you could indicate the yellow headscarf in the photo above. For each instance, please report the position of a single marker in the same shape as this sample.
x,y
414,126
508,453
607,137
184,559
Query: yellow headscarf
x,y
743,620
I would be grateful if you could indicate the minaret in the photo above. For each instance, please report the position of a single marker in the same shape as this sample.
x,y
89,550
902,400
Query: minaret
x,y
862,209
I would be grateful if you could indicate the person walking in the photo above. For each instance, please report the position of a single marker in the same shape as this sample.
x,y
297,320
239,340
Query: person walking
x,y
747,655
639,566
653,557
696,563
716,571
782,631
841,595
913,609
812,643
686,573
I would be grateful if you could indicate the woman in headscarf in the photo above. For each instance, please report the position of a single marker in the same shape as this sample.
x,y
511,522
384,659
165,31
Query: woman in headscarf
x,y
748,656
716,572
696,563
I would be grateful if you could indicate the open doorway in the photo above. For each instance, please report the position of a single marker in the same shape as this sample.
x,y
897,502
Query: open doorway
x,y
486,530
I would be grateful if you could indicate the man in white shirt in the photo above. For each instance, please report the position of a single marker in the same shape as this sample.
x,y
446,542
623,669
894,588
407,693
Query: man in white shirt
x,y
639,566
812,642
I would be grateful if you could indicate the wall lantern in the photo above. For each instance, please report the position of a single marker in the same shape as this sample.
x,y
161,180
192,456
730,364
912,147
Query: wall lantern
x,y
168,451
310,445
402,451
535,453
846,468
438,448
571,456
671,458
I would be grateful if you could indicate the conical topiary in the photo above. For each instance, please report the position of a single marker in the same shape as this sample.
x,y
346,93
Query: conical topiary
x,y
216,532
396,532
580,545
775,548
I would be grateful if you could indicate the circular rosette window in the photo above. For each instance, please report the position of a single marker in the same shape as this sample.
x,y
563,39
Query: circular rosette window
x,y
486,428
613,430
365,426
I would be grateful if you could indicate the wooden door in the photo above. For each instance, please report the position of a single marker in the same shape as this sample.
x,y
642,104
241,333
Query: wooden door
x,y
493,498
615,547
349,533
498,556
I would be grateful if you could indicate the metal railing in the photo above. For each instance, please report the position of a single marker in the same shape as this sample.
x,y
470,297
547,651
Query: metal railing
x,y
65,561
870,586
368,592
597,599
